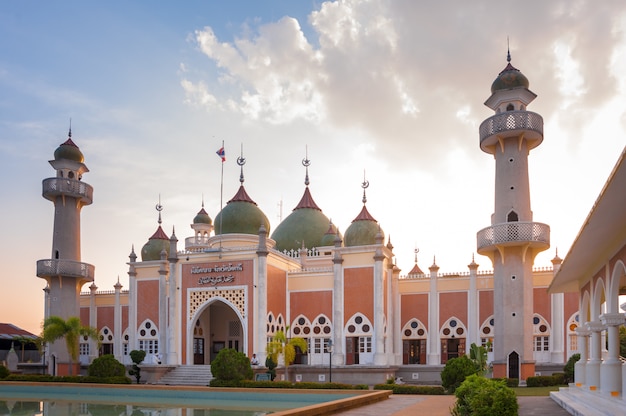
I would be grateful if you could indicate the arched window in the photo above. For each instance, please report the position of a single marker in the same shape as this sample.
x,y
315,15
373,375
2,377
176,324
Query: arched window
x,y
510,107
148,337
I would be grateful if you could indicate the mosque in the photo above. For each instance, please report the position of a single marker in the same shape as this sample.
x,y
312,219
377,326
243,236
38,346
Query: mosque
x,y
233,282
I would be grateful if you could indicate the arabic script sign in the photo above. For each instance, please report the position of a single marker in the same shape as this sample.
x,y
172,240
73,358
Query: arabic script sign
x,y
217,274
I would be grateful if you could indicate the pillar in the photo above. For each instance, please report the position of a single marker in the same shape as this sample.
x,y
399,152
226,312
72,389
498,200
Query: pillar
x,y
595,360
611,368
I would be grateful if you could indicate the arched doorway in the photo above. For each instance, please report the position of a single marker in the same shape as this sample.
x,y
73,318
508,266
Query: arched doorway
x,y
216,326
514,365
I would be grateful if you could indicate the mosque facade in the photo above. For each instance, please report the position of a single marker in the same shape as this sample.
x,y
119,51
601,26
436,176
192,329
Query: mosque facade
x,y
233,282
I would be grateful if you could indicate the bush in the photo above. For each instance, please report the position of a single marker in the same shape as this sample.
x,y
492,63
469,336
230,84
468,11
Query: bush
x,y
411,389
4,372
569,368
45,378
106,366
556,379
455,371
479,396
231,364
271,367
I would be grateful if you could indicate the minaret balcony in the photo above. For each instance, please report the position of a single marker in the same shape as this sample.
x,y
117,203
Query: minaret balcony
x,y
191,243
524,124
530,234
65,268
55,187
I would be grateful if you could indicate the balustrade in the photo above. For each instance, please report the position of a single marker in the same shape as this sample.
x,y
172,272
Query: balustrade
x,y
70,268
510,233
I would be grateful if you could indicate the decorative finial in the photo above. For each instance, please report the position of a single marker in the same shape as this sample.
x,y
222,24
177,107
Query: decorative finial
x,y
241,161
203,200
306,162
417,250
364,185
159,208
508,50
69,134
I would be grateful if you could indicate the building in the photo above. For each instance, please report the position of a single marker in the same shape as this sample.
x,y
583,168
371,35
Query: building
x,y
595,269
233,283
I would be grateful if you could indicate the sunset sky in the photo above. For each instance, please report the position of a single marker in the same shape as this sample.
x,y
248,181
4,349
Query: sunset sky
x,y
394,89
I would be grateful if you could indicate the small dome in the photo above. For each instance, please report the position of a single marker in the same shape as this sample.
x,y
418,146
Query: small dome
x,y
306,225
241,215
362,231
509,78
155,245
70,151
202,218
329,238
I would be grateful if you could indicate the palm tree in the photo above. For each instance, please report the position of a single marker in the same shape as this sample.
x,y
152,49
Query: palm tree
x,y
55,327
280,345
24,341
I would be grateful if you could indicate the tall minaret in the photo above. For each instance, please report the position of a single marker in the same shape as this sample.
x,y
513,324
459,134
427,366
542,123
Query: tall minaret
x,y
513,239
64,272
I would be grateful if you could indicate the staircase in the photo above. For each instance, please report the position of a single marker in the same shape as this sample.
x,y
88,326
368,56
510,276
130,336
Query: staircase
x,y
187,375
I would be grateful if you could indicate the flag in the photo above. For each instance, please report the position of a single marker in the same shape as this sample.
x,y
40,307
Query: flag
x,y
221,153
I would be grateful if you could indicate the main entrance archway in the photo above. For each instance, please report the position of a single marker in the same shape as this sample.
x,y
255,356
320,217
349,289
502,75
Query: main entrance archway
x,y
216,325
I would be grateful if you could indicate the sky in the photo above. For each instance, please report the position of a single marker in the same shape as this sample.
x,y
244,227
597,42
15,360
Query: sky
x,y
392,91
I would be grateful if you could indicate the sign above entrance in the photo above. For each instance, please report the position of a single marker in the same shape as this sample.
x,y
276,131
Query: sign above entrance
x,y
210,279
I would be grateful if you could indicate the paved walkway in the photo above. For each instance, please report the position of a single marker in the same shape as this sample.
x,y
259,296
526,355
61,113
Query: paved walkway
x,y
409,405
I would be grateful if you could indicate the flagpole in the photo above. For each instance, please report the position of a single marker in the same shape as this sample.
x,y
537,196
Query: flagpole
x,y
221,201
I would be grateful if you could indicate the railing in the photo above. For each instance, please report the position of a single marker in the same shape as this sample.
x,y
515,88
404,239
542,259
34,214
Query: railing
x,y
511,120
69,268
53,187
509,233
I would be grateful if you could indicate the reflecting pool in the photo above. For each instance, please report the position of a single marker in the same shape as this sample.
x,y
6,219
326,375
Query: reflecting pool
x,y
30,399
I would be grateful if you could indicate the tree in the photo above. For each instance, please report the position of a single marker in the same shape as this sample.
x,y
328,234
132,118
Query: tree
x,y
137,356
479,356
24,341
55,327
455,372
280,345
231,365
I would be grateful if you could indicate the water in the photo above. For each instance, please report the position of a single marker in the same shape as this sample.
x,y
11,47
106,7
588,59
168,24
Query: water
x,y
61,400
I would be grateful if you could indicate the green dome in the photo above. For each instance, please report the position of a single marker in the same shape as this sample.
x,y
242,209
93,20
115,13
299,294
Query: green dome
x,y
306,225
155,245
362,231
202,218
240,216
329,238
69,151
509,78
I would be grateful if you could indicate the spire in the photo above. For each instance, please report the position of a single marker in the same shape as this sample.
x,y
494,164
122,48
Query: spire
x,y
306,162
159,208
241,161
364,185
508,50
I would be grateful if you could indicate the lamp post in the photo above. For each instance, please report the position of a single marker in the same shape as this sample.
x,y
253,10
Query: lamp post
x,y
330,360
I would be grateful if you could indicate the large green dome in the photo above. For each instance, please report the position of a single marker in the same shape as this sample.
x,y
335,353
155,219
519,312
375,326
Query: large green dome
x,y
69,151
509,78
241,215
306,225
362,231
155,245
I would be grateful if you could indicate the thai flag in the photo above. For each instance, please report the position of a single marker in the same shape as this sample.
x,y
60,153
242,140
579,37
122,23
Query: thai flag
x,y
221,153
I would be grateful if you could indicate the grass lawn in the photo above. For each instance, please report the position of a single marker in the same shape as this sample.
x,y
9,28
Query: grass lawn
x,y
535,391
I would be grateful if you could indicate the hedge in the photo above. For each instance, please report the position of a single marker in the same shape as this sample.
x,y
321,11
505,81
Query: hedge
x,y
411,389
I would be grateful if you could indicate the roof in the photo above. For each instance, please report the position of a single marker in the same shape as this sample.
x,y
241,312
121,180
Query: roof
x,y
602,235
10,331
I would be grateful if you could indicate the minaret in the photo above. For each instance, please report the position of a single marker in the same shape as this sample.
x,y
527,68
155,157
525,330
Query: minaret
x,y
64,272
513,239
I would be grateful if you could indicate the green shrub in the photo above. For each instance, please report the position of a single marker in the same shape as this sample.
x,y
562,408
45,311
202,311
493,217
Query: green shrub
x,y
559,378
271,367
45,378
106,366
544,381
569,368
137,356
455,371
231,364
411,389
4,372
479,396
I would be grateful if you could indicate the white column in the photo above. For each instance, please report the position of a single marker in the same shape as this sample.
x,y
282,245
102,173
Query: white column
x,y
379,335
557,337
611,368
162,306
434,344
396,302
389,347
595,359
580,368
260,318
338,356
173,327
132,306
117,324
472,309
93,322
